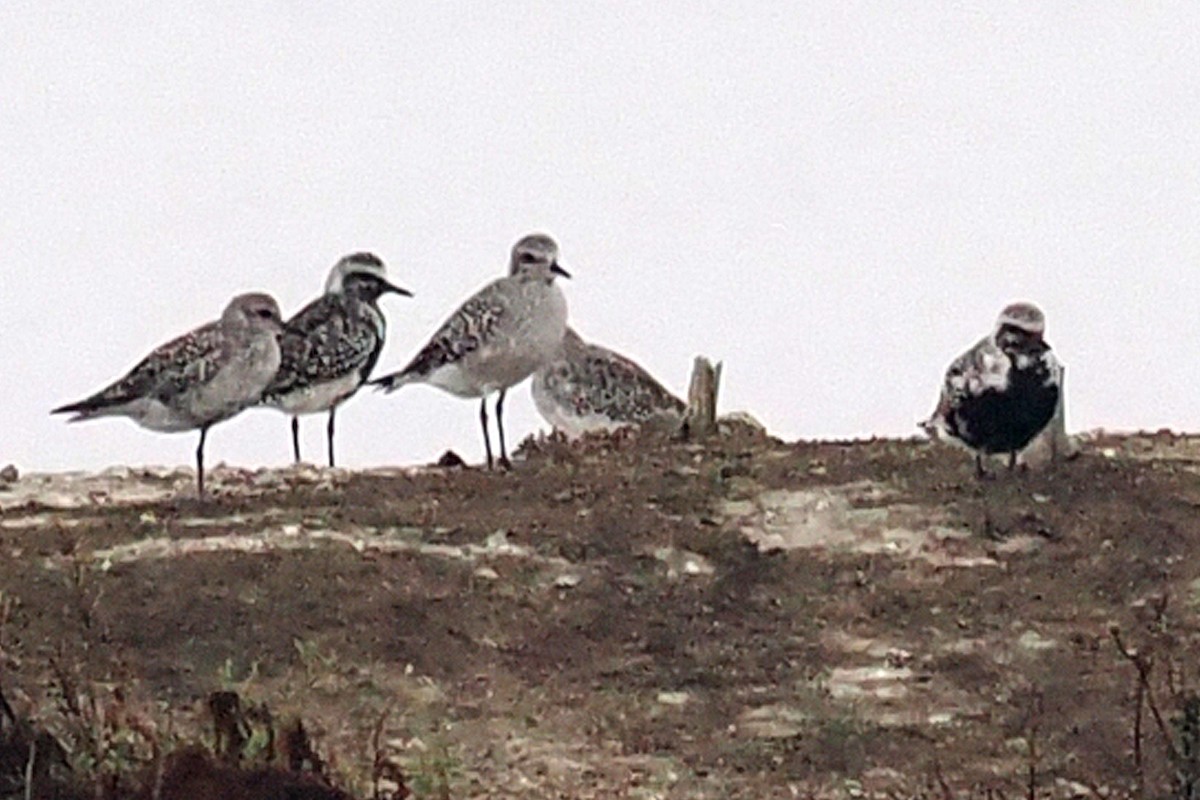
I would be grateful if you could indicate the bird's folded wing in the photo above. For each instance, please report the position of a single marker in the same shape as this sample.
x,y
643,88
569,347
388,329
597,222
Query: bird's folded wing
x,y
468,329
644,394
169,370
323,343
984,367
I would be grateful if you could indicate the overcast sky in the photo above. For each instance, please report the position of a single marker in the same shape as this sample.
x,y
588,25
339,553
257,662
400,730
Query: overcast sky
x,y
833,198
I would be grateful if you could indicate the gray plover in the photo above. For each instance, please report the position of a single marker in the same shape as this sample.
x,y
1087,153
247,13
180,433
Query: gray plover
x,y
591,388
498,337
199,379
332,344
1001,393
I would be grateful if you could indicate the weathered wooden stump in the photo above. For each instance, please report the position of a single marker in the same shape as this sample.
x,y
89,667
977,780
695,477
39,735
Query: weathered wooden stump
x,y
700,420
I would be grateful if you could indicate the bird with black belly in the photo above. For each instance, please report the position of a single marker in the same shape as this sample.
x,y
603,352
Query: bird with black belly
x,y
1000,394
332,344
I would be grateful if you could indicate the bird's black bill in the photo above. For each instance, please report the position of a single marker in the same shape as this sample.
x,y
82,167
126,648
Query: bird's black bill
x,y
391,287
557,270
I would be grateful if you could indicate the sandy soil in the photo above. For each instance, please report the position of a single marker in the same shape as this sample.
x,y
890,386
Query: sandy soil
x,y
629,617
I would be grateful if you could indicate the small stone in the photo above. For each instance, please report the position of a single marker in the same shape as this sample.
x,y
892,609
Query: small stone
x,y
1074,789
673,698
567,581
487,574
9,474
268,479
450,460
683,562
1034,641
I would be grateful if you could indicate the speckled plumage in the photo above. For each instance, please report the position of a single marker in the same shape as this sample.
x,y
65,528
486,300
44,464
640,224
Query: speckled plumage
x,y
332,344
493,341
330,338
591,388
499,336
199,379
1002,392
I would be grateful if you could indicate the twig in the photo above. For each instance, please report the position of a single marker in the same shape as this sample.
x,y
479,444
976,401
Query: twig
x,y
1035,715
29,768
1144,664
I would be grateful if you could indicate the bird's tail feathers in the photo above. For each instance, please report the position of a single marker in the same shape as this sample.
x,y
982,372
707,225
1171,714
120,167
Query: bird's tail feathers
x,y
80,411
935,426
392,382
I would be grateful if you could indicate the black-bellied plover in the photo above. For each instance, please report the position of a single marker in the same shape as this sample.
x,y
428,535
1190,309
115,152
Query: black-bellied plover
x,y
498,337
591,388
331,345
1004,391
199,379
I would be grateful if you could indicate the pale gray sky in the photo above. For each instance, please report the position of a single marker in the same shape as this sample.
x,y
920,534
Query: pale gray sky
x,y
834,198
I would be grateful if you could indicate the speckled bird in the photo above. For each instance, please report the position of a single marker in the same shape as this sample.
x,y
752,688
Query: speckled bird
x,y
1000,394
332,344
498,337
591,388
201,378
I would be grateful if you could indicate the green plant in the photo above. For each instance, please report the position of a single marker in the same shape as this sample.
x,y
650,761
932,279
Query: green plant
x,y
431,773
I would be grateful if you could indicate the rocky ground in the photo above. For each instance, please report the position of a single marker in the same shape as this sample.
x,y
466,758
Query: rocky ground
x,y
621,618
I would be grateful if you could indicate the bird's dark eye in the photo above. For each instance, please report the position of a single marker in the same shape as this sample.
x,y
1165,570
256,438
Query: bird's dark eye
x,y
265,313
527,258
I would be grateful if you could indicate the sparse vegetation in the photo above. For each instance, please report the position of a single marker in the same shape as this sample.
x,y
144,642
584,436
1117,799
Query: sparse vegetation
x,y
895,629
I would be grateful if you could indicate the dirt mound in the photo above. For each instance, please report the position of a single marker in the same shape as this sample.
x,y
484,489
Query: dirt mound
x,y
638,617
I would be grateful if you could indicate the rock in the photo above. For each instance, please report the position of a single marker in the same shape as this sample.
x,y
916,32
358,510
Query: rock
x,y
9,474
673,698
727,423
773,722
1033,641
450,460
683,562
487,574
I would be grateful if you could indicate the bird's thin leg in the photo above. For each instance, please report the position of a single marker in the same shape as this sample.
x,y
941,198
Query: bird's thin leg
x,y
329,433
200,461
1012,461
487,443
504,462
980,472
296,439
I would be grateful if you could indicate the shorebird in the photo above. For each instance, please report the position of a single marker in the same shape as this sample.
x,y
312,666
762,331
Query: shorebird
x,y
1004,391
591,388
199,379
332,344
498,337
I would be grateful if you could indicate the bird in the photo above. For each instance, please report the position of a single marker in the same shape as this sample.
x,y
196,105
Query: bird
x,y
498,337
203,377
332,344
1004,391
591,388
